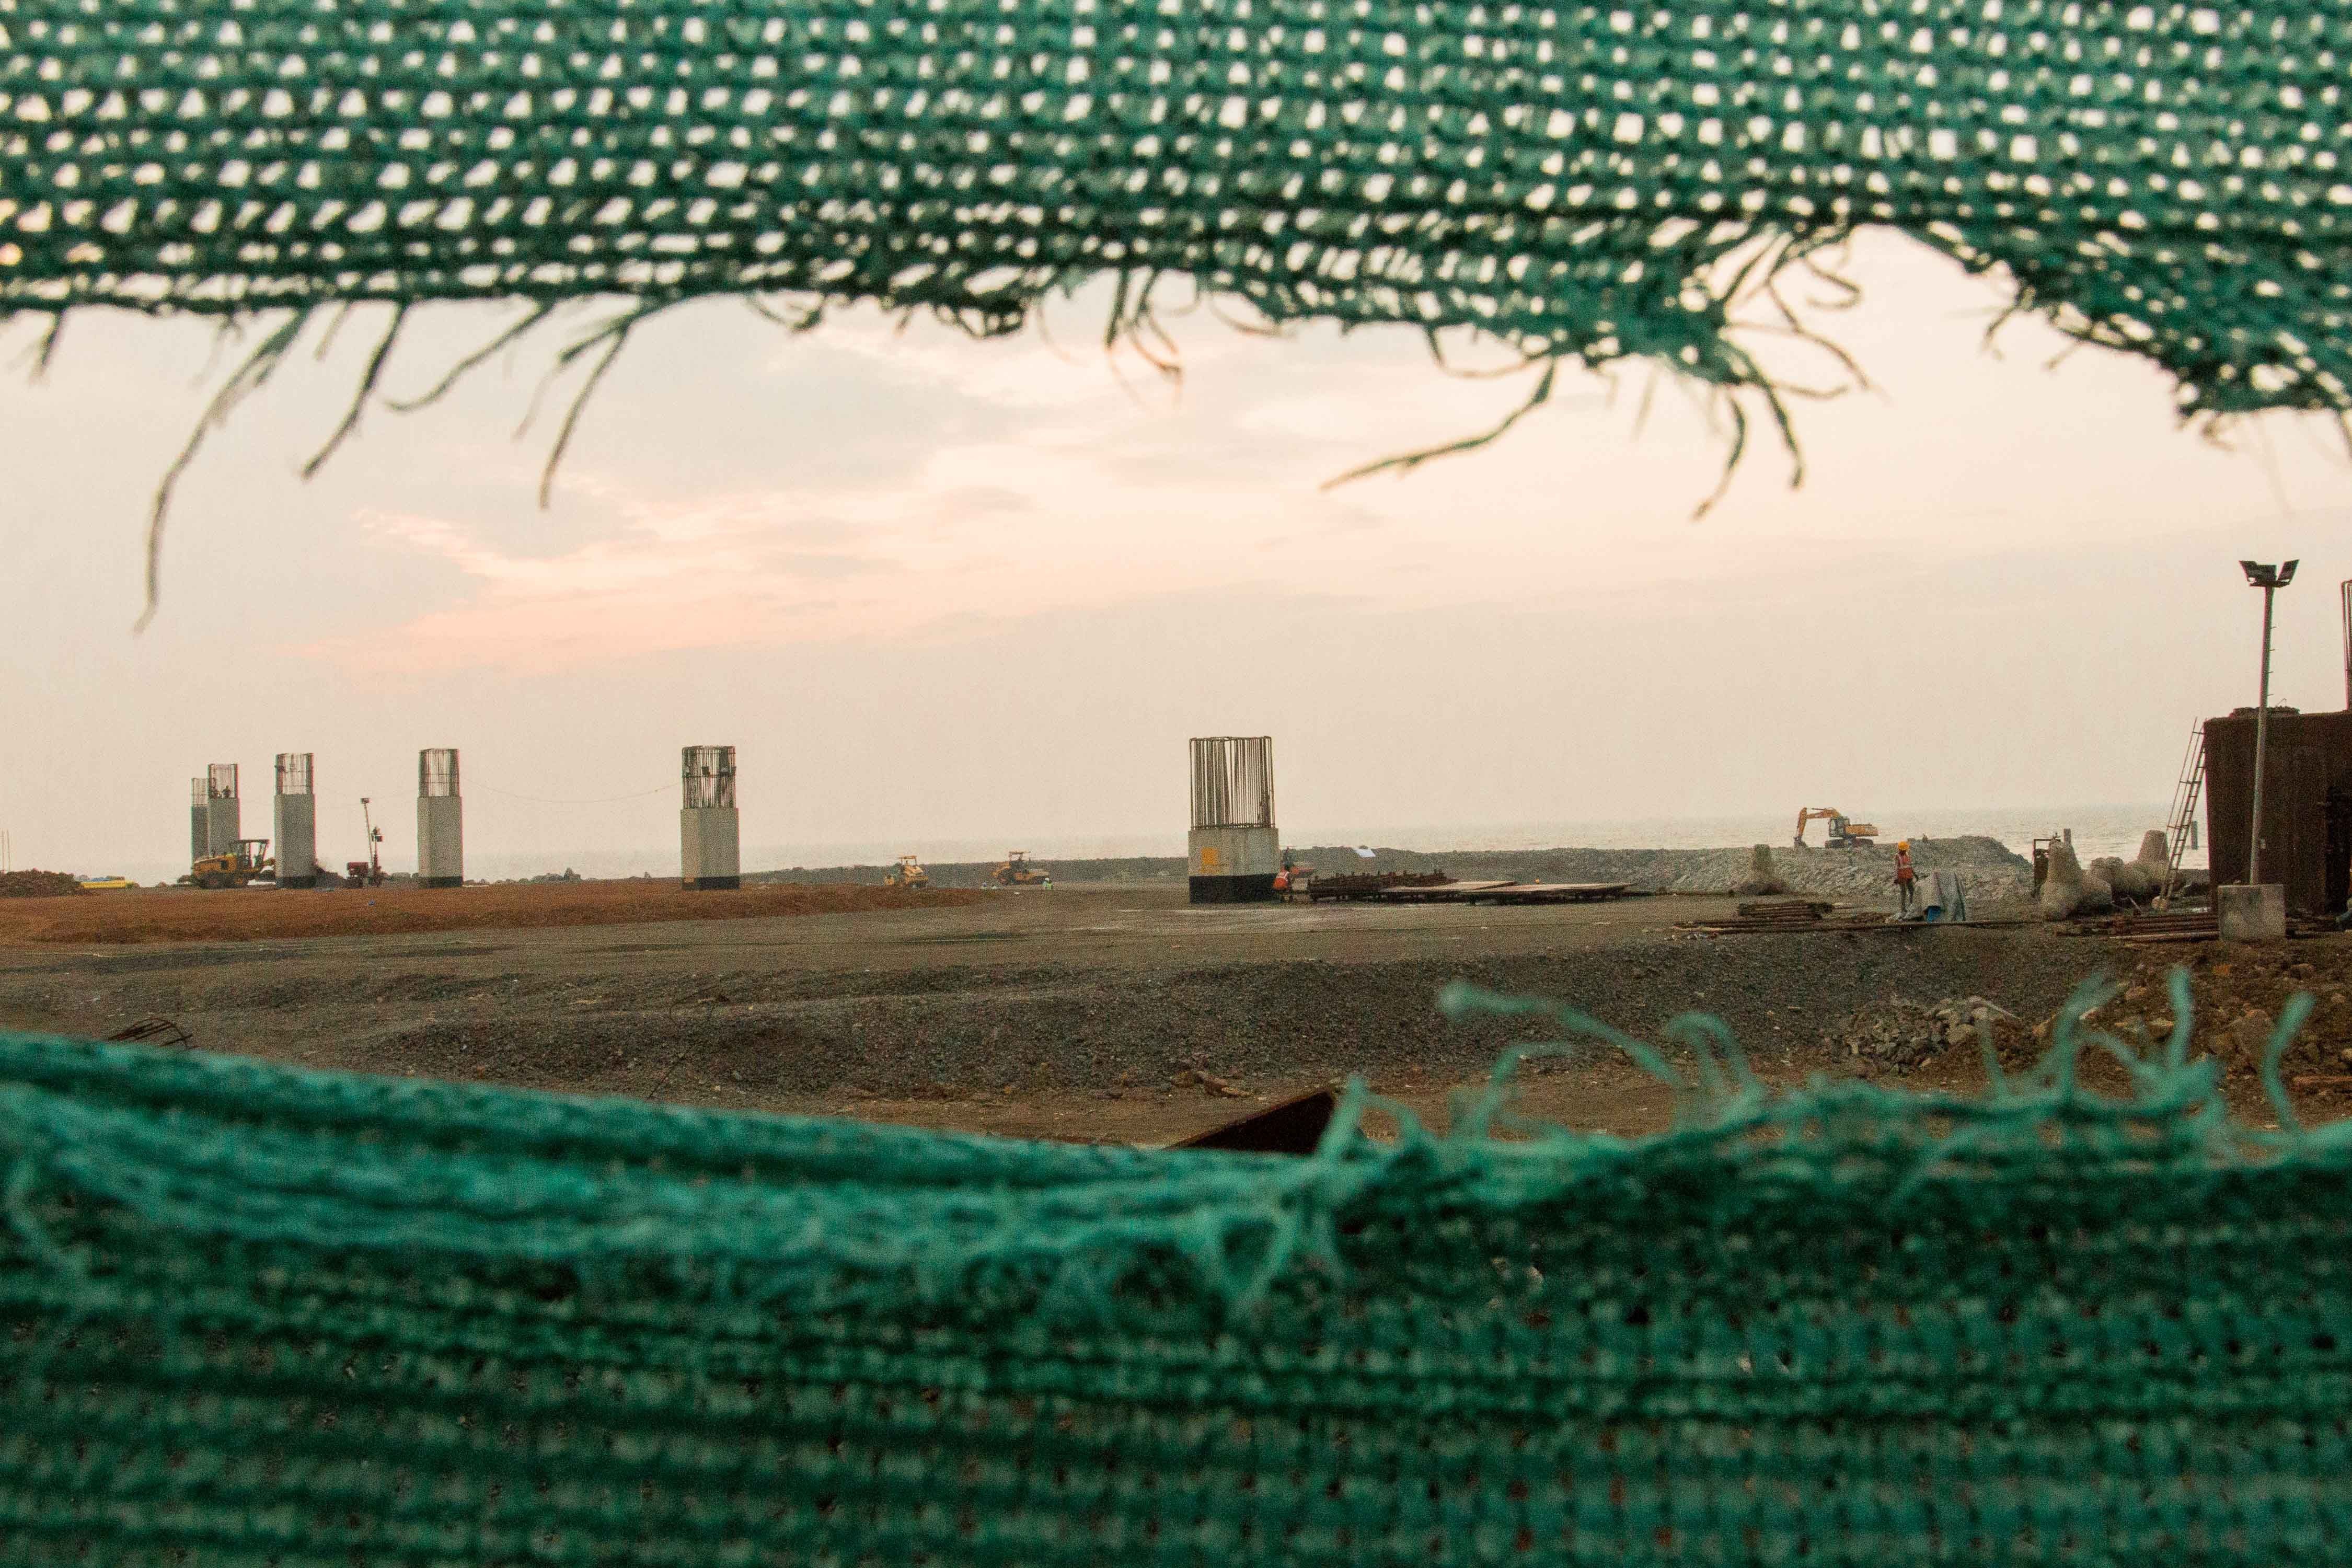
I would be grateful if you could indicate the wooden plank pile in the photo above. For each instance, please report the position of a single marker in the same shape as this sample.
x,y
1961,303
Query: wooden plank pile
x,y
1370,884
1801,912
1555,893
1788,915
1437,888
2174,928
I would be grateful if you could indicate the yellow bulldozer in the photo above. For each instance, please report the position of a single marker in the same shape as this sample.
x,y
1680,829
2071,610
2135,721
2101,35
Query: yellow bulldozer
x,y
1018,871
907,873
249,862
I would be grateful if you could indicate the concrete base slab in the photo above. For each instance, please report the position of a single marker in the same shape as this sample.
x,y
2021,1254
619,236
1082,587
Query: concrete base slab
x,y
1234,865
708,884
2256,913
298,884
440,881
1232,889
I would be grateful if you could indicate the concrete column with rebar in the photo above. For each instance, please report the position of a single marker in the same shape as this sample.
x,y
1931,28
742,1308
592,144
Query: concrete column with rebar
x,y
440,820
200,821
710,837
1234,850
294,810
223,812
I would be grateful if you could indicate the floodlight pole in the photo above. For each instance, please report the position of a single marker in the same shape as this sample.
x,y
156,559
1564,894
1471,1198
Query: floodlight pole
x,y
2270,580
2262,745
2344,592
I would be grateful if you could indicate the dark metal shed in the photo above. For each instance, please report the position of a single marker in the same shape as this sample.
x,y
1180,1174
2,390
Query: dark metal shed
x,y
2307,804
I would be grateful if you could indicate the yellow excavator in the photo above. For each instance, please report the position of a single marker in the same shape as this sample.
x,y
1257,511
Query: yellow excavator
x,y
907,873
1018,871
232,868
1844,832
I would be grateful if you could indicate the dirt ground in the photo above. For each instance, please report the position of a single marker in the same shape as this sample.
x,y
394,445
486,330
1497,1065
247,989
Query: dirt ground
x,y
1104,1012
255,914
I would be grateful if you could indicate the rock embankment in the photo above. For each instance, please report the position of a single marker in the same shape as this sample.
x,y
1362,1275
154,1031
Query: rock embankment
x,y
1989,869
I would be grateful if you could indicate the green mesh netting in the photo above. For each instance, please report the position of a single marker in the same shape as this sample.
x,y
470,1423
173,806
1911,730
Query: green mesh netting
x,y
253,1315
2167,178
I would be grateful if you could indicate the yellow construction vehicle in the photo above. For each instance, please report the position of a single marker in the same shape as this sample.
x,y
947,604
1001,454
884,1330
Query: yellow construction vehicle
x,y
1844,832
234,867
907,873
1018,872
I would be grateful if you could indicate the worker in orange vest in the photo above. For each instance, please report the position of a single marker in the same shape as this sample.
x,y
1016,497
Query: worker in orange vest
x,y
1906,881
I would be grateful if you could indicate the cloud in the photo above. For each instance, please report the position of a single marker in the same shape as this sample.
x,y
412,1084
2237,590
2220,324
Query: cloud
x,y
1096,504
917,484
725,571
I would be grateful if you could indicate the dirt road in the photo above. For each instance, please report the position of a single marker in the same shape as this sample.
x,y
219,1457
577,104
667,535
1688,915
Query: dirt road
x,y
1062,1013
254,914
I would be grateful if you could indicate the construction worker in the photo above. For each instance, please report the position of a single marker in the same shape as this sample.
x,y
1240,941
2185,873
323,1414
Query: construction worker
x,y
1906,881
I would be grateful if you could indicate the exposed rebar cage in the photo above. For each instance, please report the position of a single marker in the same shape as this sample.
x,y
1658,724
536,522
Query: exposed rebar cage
x,y
220,781
707,775
436,771
1232,781
294,772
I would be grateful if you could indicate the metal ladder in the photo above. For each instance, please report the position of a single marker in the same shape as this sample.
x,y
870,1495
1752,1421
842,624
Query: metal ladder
x,y
2185,795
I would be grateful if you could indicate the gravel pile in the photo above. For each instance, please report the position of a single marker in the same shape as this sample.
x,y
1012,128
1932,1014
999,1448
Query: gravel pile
x,y
1903,1033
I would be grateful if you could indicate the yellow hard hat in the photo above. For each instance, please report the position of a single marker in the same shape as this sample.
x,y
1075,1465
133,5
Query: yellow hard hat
x,y
1903,844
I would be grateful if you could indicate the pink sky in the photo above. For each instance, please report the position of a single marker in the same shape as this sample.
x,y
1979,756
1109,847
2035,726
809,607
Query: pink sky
x,y
884,555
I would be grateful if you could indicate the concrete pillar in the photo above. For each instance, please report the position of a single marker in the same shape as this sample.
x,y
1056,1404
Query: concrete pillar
x,y
223,812
709,846
1234,849
295,813
200,822
440,820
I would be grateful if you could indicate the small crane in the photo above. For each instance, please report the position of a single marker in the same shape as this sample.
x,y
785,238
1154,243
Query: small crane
x,y
367,873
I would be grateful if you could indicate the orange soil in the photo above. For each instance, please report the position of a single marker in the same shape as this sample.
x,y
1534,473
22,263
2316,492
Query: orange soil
x,y
251,914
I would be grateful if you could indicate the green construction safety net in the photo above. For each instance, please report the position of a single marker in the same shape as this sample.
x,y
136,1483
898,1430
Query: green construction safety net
x,y
1585,180
256,1315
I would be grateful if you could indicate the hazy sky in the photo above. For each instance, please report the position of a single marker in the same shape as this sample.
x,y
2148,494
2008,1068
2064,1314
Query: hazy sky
x,y
945,595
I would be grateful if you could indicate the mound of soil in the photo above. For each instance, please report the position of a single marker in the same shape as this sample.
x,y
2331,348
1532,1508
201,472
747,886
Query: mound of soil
x,y
37,885
2237,995
260,914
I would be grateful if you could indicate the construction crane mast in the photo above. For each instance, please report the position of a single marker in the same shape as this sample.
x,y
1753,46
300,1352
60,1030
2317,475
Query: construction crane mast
x,y
367,873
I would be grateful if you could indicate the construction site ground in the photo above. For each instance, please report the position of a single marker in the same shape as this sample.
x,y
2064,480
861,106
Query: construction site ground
x,y
1104,1012
254,914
